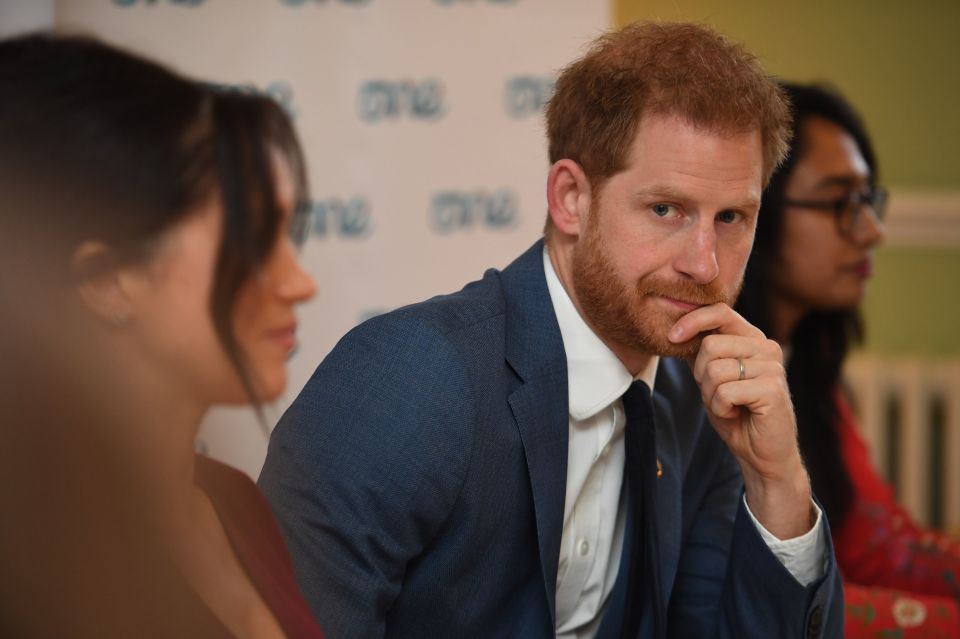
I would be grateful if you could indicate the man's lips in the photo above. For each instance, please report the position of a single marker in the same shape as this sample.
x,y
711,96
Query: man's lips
x,y
679,304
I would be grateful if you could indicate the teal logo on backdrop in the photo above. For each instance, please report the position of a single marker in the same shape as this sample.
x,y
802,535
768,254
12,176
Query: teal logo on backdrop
x,y
381,100
526,95
452,211
151,3
341,217
278,90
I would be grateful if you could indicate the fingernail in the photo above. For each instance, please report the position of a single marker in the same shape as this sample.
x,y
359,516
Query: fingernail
x,y
674,333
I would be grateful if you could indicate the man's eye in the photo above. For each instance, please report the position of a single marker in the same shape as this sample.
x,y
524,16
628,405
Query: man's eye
x,y
727,217
664,210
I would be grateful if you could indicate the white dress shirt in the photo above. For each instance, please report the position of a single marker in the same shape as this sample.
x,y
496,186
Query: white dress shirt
x,y
593,515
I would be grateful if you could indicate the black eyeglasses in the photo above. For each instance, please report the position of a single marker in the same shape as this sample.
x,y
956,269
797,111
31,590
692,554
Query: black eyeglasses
x,y
847,209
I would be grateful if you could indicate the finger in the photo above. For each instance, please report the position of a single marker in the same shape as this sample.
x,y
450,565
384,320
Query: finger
x,y
725,371
734,347
718,318
729,398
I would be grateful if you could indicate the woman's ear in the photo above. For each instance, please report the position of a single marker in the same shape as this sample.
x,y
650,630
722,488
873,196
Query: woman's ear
x,y
568,197
100,285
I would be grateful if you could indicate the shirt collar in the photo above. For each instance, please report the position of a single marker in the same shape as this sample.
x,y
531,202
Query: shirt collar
x,y
595,376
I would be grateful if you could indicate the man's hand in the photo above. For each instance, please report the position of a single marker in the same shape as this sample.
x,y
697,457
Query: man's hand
x,y
744,388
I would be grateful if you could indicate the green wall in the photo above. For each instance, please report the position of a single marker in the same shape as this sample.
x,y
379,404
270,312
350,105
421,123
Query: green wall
x,y
913,306
897,62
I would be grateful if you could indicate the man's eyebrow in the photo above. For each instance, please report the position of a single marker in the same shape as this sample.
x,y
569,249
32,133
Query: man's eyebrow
x,y
657,192
750,204
667,192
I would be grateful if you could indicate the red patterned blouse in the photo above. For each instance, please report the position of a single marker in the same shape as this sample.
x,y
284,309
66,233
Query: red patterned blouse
x,y
901,580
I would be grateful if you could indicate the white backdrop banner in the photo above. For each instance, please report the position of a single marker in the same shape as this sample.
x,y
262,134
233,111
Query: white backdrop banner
x,y
423,129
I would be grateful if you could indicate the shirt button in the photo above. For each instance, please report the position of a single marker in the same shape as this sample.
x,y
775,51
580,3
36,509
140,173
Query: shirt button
x,y
584,547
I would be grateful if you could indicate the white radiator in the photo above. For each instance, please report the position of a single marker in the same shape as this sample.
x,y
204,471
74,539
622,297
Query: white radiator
x,y
909,412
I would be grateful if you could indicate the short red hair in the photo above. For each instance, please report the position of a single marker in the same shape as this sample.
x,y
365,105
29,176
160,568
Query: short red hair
x,y
680,69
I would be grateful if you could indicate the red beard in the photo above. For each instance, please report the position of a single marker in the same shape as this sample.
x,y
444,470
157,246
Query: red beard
x,y
629,316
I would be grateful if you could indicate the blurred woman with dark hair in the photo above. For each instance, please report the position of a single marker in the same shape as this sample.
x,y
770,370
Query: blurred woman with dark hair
x,y
819,222
149,238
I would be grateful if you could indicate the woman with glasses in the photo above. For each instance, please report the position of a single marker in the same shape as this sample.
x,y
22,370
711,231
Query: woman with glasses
x,y
819,223
149,236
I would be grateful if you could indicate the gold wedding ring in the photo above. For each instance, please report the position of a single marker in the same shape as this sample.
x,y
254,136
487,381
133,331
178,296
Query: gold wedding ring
x,y
743,370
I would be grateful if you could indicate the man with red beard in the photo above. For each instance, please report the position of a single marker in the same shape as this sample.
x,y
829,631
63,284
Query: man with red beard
x,y
493,463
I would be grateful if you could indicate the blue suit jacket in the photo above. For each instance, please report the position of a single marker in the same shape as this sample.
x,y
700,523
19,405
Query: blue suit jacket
x,y
419,479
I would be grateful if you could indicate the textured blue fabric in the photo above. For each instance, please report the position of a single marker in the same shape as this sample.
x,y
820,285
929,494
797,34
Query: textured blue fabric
x,y
419,479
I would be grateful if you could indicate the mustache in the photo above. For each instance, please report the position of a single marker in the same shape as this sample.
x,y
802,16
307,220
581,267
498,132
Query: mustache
x,y
684,291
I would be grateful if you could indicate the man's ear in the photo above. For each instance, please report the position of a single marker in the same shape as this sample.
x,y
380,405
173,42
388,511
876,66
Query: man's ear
x,y
99,283
568,197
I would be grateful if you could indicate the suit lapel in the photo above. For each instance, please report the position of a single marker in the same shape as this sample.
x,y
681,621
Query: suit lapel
x,y
534,349
545,448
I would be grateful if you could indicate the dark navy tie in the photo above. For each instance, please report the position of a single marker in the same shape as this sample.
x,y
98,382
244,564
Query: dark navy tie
x,y
640,442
